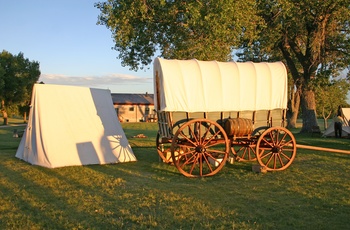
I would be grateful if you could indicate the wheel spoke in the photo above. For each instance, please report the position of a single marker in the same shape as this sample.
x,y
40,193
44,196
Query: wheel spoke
x,y
282,139
286,143
185,146
187,139
186,157
274,161
272,138
205,135
270,158
213,144
245,151
251,150
206,158
186,162
200,165
267,142
191,133
280,160
277,137
248,153
285,156
211,138
216,151
266,155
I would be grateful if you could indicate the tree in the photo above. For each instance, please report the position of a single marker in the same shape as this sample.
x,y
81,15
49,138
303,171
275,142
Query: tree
x,y
201,29
329,96
17,77
307,35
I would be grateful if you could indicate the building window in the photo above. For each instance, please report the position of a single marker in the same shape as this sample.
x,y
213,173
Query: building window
x,y
131,108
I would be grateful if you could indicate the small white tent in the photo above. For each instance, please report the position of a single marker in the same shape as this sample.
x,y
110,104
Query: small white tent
x,y
71,125
329,132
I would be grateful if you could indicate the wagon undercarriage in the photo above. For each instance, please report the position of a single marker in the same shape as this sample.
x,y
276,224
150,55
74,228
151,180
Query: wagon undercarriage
x,y
201,147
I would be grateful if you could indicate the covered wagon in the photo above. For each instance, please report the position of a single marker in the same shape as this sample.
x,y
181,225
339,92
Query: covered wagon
x,y
211,111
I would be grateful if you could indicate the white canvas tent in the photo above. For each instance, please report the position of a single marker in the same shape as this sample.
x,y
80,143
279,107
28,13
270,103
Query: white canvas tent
x,y
329,132
211,86
71,125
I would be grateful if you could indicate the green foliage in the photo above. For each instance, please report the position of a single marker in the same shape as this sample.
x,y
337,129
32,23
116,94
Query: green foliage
x,y
305,33
148,194
330,95
17,77
308,36
205,30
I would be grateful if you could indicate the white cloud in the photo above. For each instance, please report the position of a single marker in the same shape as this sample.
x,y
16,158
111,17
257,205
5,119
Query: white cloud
x,y
119,82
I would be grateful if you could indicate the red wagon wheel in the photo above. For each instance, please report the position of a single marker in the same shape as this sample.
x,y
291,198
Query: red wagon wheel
x,y
164,149
276,149
244,149
200,148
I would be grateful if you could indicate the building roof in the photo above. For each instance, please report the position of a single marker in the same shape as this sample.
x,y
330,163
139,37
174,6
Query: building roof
x,y
132,99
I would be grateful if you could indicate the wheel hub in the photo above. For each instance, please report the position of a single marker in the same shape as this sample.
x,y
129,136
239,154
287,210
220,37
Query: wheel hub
x,y
276,149
200,149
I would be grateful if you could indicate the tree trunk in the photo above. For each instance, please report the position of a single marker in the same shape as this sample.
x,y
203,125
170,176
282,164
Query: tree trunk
x,y
325,118
293,109
4,113
308,109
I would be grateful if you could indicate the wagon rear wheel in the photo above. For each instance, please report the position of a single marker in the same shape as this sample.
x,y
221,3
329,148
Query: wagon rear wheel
x,y
200,148
244,150
276,149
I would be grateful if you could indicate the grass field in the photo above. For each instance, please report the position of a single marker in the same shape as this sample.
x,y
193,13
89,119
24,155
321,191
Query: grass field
x,y
314,193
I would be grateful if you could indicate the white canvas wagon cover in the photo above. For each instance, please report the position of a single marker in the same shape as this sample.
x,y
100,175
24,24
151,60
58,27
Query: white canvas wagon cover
x,y
211,86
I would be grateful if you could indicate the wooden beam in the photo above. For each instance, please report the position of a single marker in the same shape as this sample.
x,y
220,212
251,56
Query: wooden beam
x,y
322,149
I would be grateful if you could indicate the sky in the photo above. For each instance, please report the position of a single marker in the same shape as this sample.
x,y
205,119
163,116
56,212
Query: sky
x,y
63,36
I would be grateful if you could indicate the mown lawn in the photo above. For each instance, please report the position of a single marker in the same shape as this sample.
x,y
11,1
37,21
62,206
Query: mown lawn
x,y
314,193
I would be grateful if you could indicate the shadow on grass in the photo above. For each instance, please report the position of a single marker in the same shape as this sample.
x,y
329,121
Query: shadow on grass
x,y
311,194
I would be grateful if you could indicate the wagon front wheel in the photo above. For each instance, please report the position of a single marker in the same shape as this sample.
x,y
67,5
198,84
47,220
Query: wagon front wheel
x,y
200,148
276,149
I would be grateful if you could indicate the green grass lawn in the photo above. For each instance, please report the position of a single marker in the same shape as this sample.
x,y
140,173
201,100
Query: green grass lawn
x,y
313,193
